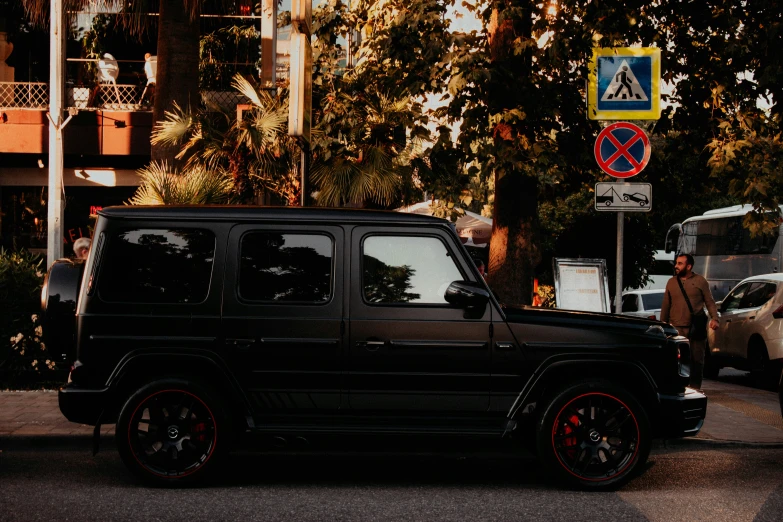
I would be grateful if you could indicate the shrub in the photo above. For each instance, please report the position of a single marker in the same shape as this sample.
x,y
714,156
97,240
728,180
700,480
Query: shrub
x,y
21,278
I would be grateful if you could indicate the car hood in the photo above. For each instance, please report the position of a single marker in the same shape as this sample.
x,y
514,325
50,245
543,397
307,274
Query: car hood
x,y
592,321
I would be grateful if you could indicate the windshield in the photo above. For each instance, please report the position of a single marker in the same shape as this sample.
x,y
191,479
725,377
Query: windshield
x,y
652,301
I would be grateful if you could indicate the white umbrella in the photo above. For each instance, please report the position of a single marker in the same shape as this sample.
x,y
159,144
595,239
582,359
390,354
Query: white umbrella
x,y
473,229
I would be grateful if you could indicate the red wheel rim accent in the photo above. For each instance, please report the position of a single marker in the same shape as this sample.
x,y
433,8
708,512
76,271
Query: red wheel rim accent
x,y
201,423
596,452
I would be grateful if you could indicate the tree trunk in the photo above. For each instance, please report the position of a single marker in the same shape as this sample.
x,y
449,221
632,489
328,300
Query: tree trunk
x,y
177,77
513,253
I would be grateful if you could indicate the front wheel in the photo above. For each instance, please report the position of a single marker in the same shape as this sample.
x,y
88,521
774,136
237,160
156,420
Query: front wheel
x,y
593,435
169,432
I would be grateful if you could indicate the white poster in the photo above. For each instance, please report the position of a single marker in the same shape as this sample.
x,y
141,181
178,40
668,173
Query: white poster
x,y
581,284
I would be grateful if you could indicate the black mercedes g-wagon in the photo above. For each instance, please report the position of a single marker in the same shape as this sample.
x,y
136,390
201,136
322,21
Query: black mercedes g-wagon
x,y
190,325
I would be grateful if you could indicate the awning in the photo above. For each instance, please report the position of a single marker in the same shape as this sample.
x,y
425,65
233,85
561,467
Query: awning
x,y
473,229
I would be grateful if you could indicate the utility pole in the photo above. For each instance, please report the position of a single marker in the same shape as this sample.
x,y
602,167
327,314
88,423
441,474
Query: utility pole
x,y
300,104
54,247
269,44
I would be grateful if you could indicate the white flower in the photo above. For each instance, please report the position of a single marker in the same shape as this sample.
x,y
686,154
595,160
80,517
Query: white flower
x,y
18,337
34,317
21,352
43,346
35,363
38,330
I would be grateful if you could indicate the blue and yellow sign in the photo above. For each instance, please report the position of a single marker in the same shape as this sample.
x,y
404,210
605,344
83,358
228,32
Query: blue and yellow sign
x,y
624,84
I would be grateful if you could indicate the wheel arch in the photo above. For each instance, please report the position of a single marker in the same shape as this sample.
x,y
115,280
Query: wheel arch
x,y
555,375
144,366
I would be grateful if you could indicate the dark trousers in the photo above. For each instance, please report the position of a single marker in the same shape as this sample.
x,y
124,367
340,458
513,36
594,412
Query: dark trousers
x,y
697,358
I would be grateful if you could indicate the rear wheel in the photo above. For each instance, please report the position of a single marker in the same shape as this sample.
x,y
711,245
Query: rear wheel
x,y
766,372
168,430
594,435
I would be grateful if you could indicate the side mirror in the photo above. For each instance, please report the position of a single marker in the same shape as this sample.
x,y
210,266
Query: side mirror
x,y
672,238
470,296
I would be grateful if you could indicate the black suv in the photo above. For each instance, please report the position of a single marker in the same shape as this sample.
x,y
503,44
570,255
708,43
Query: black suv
x,y
191,325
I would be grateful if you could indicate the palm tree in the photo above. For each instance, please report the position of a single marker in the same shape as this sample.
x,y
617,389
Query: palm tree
x,y
160,185
178,46
255,151
367,156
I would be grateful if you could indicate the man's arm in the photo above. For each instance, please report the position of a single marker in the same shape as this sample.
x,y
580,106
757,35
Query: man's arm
x,y
666,305
712,308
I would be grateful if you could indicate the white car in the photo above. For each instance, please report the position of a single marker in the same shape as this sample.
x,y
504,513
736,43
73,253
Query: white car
x,y
750,335
643,303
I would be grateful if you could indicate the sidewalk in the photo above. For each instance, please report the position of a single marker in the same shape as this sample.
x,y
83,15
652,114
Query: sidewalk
x,y
735,414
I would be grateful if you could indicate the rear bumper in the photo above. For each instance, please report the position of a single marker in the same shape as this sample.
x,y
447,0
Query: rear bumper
x,y
681,415
82,405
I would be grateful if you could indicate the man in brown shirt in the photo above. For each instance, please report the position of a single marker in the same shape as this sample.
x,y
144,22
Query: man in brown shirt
x,y
675,310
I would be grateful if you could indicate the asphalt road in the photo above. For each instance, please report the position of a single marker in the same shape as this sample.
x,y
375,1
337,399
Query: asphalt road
x,y
62,481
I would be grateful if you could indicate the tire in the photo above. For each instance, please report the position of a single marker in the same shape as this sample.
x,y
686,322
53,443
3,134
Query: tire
x,y
167,432
625,198
593,435
711,366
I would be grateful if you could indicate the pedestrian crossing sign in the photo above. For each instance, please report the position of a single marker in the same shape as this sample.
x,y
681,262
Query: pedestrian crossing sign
x,y
624,84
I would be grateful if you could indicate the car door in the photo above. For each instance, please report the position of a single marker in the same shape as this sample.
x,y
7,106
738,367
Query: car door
x,y
411,353
743,323
283,316
720,341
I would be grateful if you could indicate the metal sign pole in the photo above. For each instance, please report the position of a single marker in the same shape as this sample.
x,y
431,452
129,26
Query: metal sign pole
x,y
618,291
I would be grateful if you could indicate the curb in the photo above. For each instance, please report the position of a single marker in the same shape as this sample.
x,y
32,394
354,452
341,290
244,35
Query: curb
x,y
713,443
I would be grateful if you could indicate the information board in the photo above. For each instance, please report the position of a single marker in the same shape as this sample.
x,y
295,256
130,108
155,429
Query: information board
x,y
581,284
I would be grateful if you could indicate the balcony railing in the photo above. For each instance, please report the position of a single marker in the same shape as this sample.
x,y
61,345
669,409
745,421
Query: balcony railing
x,y
107,96
27,95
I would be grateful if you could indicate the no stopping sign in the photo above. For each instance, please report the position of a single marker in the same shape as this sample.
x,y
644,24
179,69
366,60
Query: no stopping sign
x,y
622,150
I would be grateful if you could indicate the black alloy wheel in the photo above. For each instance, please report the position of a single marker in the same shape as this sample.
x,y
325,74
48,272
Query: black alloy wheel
x,y
594,435
169,432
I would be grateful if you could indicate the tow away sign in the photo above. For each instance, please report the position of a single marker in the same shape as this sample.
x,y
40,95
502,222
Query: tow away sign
x,y
623,197
624,83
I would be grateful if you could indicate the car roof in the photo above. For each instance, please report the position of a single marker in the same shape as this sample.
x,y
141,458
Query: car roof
x,y
645,292
249,212
764,277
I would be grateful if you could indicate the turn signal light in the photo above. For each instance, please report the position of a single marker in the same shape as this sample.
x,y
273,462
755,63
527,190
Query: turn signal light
x,y
778,314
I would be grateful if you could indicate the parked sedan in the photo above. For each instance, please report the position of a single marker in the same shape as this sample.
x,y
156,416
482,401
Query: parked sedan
x,y
750,335
643,303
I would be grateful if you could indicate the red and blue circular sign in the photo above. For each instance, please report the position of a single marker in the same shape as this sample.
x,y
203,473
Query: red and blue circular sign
x,y
622,150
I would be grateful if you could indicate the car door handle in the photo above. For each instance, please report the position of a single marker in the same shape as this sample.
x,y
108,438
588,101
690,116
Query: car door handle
x,y
241,344
371,346
505,347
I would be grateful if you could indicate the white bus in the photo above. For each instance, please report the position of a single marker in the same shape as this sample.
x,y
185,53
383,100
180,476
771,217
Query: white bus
x,y
722,249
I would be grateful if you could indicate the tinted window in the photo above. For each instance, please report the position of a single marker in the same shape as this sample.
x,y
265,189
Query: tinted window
x,y
733,300
652,301
758,294
285,267
629,303
158,266
407,270
724,236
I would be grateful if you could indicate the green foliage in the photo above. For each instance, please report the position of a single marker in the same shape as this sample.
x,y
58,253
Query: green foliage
x,y
21,277
225,51
196,185
370,145
748,150
255,152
